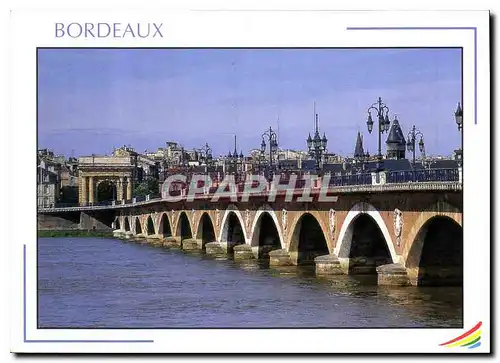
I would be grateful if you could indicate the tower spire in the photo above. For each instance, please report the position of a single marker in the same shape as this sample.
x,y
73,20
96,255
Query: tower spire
x,y
358,150
315,116
278,135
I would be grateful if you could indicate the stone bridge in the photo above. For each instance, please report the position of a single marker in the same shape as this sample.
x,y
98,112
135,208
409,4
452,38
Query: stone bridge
x,y
406,234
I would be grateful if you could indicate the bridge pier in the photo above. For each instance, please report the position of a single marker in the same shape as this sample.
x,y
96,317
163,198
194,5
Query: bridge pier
x,y
171,241
435,275
393,274
216,248
360,265
263,251
118,233
243,252
190,244
155,239
328,265
280,257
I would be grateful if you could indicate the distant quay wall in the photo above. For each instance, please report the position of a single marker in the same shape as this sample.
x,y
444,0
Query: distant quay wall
x,y
76,221
73,233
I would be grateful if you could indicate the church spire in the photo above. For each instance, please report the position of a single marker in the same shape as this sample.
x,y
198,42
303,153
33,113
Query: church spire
x,y
358,150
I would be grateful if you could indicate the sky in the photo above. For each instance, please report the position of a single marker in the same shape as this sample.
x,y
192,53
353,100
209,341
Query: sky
x,y
92,100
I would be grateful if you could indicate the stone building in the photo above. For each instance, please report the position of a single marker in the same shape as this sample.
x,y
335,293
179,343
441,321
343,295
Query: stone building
x,y
104,178
48,183
57,180
174,154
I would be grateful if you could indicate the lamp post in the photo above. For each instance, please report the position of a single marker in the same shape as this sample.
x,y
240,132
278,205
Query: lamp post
x,y
459,120
411,143
317,145
272,140
382,113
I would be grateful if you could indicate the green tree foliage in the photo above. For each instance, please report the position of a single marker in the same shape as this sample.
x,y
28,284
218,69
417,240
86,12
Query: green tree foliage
x,y
147,186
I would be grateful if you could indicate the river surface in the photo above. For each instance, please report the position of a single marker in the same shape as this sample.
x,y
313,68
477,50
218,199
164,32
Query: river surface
x,y
110,283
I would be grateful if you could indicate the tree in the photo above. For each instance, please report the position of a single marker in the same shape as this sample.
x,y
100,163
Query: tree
x,y
147,186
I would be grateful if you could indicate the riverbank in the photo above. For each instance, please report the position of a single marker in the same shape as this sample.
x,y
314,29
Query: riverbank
x,y
74,233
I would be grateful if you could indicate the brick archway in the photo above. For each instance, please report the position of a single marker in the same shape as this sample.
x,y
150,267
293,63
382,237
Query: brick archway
x,y
224,224
118,225
146,228
292,225
178,224
198,233
255,229
126,222
343,246
442,209
302,246
159,218
137,219
158,222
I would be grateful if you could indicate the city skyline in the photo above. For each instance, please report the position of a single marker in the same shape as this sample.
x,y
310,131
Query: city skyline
x,y
91,100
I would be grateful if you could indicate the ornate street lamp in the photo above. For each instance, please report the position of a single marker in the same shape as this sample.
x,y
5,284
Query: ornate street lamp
x,y
459,117
411,142
459,120
272,141
317,145
382,113
271,137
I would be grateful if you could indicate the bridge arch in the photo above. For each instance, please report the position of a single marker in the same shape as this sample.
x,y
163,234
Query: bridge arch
x,y
126,224
437,209
138,226
363,216
205,231
307,240
117,223
164,225
266,231
230,222
150,227
433,251
183,229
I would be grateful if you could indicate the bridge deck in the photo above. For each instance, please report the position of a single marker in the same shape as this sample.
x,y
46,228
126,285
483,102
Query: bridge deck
x,y
386,188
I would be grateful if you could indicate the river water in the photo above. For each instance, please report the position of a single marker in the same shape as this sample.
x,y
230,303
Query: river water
x,y
110,283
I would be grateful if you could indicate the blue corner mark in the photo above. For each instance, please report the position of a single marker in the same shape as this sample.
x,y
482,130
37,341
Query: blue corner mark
x,y
64,340
478,344
438,28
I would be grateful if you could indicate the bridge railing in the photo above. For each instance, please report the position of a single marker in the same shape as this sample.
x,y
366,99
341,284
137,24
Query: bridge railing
x,y
423,175
352,180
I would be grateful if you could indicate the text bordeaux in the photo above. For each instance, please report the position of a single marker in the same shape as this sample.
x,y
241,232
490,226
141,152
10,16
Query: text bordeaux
x,y
109,30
